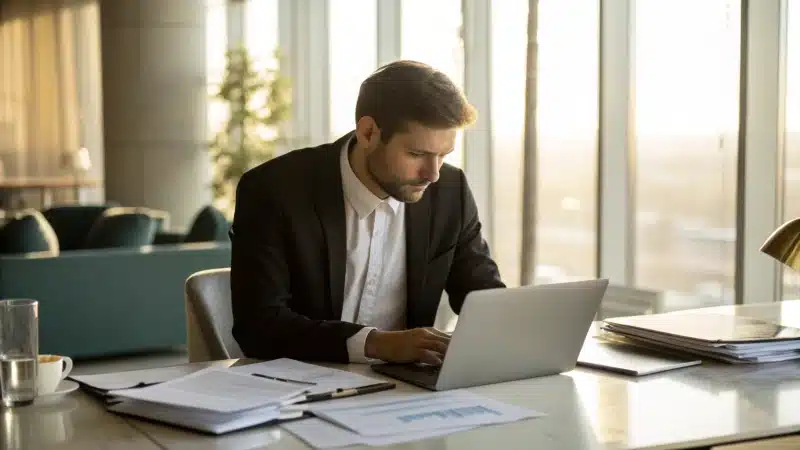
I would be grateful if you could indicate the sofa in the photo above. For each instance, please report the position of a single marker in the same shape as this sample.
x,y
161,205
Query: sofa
x,y
105,302
105,284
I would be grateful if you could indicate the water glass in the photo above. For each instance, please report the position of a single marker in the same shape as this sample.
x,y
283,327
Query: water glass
x,y
19,351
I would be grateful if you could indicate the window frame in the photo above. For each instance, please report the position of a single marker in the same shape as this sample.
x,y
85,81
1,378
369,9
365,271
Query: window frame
x,y
304,31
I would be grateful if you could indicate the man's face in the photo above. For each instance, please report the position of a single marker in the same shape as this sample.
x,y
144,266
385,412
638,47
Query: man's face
x,y
406,165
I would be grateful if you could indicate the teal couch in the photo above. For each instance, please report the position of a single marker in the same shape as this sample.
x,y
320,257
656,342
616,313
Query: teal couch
x,y
108,302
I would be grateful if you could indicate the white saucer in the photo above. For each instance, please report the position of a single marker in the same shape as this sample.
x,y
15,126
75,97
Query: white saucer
x,y
65,387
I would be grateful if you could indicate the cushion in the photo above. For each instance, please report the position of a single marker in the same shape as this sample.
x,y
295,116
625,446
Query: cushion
x,y
28,231
122,227
208,225
73,222
161,217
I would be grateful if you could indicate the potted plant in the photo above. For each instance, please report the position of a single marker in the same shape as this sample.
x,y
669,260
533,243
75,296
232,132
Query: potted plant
x,y
258,103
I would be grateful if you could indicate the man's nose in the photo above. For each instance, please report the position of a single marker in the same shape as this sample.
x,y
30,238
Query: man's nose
x,y
431,172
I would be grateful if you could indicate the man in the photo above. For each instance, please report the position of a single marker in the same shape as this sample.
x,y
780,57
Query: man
x,y
341,252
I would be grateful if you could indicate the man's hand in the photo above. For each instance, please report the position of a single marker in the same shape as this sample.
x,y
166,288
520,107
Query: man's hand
x,y
425,345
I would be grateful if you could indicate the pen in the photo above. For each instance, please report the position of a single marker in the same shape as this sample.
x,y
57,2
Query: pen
x,y
285,380
339,393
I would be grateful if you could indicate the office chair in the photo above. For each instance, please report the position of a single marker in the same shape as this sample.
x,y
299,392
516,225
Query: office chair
x,y
208,316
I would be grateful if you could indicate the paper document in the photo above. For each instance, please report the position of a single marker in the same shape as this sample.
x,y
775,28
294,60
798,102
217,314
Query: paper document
x,y
629,359
708,327
720,352
217,390
320,434
134,378
422,412
205,421
316,379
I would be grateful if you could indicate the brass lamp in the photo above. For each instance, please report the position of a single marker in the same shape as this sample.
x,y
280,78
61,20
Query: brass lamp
x,y
784,244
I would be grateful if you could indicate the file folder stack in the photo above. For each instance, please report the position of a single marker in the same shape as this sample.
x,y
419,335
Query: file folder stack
x,y
330,402
212,400
217,400
730,338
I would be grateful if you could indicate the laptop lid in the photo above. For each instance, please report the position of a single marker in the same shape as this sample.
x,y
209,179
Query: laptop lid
x,y
514,333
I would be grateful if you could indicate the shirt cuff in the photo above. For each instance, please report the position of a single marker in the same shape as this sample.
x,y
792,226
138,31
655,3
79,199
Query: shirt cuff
x,y
356,344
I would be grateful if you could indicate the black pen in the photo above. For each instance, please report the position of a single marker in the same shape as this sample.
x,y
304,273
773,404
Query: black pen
x,y
285,380
339,393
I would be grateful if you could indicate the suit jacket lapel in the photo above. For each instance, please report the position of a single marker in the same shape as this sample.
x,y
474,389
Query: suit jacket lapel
x,y
417,229
329,204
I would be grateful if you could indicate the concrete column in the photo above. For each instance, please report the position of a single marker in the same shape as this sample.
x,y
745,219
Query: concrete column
x,y
86,17
154,105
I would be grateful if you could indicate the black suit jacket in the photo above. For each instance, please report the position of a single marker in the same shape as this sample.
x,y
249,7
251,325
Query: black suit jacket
x,y
288,257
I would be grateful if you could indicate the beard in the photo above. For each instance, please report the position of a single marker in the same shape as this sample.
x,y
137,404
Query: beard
x,y
407,191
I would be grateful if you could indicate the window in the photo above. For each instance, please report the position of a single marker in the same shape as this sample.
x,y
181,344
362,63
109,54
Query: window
x,y
567,132
567,116
431,33
261,32
686,118
509,40
791,189
216,45
353,57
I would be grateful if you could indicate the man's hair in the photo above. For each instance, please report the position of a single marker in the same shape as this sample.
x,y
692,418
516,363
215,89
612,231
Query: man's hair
x,y
409,91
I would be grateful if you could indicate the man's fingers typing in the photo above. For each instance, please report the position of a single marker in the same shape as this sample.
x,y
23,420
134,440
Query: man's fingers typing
x,y
435,345
429,357
439,333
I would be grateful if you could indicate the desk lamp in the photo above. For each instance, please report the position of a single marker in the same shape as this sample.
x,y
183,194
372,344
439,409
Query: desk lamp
x,y
784,244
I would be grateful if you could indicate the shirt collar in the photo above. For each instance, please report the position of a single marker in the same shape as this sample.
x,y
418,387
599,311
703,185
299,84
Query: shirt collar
x,y
363,201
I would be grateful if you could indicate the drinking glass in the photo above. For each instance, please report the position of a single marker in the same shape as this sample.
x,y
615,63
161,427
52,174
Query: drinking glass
x,y
19,351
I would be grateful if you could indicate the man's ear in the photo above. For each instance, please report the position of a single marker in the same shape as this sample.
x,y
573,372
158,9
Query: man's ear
x,y
367,132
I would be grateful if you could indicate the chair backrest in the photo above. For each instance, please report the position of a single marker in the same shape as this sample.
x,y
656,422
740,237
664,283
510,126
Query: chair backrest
x,y
209,225
209,318
28,231
122,227
72,223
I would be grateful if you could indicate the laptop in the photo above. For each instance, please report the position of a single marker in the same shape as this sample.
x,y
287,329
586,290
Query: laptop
x,y
508,334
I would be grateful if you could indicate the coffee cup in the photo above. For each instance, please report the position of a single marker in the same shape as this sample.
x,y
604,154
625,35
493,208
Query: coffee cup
x,y
52,369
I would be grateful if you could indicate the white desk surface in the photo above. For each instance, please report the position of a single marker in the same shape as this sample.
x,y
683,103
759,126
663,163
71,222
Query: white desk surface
x,y
73,422
586,409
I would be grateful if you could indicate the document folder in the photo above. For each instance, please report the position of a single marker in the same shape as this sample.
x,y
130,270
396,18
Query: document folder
x,y
200,421
725,337
708,327
152,394
629,359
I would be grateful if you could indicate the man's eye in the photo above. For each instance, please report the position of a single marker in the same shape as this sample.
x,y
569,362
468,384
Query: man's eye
x,y
417,154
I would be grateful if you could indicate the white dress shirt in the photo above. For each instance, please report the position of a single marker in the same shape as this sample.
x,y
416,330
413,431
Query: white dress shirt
x,y
375,274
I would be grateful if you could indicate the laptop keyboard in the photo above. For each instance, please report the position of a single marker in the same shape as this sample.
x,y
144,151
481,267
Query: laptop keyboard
x,y
424,368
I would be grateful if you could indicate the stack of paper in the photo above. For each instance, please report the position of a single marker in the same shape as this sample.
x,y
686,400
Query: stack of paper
x,y
629,359
316,379
99,385
134,378
729,338
212,400
385,421
207,422
219,400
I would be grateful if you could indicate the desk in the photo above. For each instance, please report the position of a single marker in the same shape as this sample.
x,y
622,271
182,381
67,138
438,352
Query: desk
x,y
74,422
586,409
779,443
45,186
695,407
